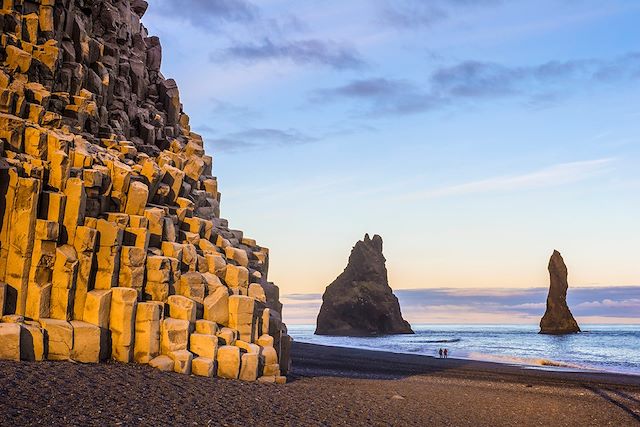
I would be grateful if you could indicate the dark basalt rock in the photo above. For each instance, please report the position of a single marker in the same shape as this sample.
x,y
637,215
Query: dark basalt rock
x,y
558,319
360,302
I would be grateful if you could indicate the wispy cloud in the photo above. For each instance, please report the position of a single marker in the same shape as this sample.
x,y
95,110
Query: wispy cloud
x,y
259,138
564,173
231,111
410,14
476,81
302,52
384,96
261,37
632,304
208,14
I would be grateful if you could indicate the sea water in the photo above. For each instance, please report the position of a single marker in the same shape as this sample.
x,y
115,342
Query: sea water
x,y
612,348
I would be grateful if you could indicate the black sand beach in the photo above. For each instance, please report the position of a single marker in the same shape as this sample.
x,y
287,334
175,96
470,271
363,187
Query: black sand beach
x,y
328,386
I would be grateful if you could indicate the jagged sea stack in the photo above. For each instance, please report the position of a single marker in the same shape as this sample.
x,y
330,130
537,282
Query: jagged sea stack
x,y
360,302
558,320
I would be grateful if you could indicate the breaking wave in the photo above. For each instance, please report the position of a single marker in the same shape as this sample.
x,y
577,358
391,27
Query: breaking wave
x,y
523,361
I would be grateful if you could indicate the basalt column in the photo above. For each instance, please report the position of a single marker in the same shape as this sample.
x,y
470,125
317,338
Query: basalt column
x,y
111,240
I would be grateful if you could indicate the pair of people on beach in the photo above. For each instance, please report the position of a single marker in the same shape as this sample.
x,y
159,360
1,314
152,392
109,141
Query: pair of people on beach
x,y
443,353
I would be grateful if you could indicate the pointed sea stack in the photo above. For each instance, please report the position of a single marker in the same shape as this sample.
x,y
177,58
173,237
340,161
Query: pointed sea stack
x,y
558,320
360,302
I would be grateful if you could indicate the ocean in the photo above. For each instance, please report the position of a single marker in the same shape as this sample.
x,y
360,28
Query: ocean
x,y
610,348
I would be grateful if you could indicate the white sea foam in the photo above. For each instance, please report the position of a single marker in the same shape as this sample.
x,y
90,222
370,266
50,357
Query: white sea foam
x,y
523,361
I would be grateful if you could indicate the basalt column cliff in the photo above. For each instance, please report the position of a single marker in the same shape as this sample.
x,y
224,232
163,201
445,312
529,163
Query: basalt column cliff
x,y
360,301
558,318
111,241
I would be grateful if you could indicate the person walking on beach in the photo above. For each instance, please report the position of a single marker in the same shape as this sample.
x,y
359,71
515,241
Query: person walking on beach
x,y
440,352
446,353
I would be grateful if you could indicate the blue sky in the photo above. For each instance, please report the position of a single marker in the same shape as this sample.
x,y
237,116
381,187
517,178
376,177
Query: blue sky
x,y
474,136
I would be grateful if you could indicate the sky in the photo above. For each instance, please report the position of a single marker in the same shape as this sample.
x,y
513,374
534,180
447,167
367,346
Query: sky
x,y
474,136
589,305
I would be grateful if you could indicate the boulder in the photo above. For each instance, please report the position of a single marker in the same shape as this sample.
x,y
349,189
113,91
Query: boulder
x,y
147,332
241,316
203,345
182,308
236,276
122,323
206,327
202,366
249,368
174,335
360,301
10,339
227,335
272,369
257,291
228,360
216,306
32,342
192,285
97,307
60,338
38,300
163,363
270,355
88,343
265,341
181,361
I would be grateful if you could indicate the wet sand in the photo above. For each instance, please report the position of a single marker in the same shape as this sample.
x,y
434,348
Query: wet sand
x,y
328,386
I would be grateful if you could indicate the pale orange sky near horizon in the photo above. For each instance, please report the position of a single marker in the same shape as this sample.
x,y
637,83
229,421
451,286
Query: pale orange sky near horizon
x,y
469,267
589,305
296,315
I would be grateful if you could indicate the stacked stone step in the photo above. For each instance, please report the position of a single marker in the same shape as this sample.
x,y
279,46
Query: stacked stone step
x,y
111,241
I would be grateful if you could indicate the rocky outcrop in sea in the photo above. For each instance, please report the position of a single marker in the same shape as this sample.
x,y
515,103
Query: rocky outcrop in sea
x,y
360,301
557,319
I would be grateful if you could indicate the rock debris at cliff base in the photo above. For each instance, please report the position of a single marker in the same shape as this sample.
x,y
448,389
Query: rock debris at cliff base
x,y
111,241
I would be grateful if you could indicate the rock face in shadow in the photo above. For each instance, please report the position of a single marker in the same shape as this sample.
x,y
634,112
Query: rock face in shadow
x,y
360,302
558,320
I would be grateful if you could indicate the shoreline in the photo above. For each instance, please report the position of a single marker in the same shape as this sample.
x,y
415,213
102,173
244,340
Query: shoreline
x,y
322,359
327,386
521,362
549,362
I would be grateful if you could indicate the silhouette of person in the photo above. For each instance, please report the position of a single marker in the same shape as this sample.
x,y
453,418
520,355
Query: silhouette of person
x,y
446,353
440,353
